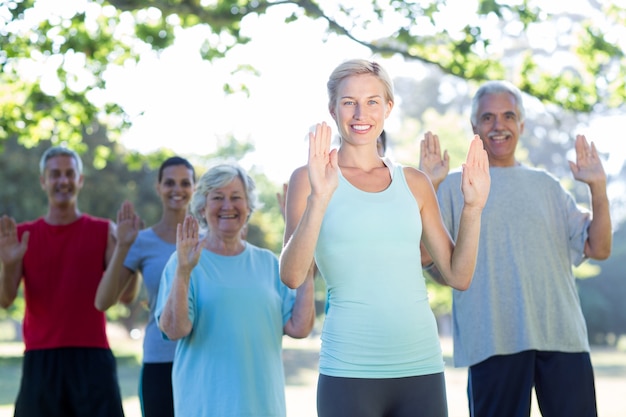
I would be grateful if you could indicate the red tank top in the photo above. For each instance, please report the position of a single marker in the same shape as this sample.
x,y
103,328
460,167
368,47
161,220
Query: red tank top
x,y
62,268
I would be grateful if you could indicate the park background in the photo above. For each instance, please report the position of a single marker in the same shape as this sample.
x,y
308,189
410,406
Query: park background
x,y
128,82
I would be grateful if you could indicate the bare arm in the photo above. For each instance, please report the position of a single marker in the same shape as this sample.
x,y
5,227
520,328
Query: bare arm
x,y
303,315
11,254
119,283
588,169
174,320
307,199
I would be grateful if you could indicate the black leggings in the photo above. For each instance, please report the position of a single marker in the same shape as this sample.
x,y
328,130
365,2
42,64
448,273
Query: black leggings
x,y
155,390
417,396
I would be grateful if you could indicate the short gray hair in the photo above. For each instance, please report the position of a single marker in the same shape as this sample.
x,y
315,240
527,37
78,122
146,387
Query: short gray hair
x,y
496,87
218,176
56,151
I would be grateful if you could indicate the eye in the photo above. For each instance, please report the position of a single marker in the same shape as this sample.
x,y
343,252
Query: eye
x,y
168,183
373,102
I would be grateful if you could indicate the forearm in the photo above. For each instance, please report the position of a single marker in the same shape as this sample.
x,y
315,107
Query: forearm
x,y
463,260
131,291
303,314
114,281
299,250
174,320
600,235
10,276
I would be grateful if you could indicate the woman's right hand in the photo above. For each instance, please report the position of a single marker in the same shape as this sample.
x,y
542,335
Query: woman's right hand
x,y
188,247
322,165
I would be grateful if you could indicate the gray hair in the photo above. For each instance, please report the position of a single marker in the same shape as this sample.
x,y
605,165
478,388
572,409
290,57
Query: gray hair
x,y
56,151
357,67
216,177
496,87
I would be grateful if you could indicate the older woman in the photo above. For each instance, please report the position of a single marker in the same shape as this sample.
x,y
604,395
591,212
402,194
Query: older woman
x,y
223,299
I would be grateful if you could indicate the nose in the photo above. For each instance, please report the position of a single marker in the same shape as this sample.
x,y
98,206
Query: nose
x,y
497,122
357,112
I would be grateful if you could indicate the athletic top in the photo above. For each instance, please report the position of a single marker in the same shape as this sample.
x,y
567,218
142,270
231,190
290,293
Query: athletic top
x,y
379,323
62,268
148,255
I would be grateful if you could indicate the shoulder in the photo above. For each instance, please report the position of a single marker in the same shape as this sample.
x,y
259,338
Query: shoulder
x,y
31,224
260,252
415,177
299,175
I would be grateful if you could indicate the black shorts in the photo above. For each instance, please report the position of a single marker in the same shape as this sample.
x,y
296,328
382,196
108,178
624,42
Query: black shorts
x,y
67,382
423,396
155,390
502,385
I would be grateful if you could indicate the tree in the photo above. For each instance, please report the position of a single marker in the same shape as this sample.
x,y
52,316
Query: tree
x,y
54,57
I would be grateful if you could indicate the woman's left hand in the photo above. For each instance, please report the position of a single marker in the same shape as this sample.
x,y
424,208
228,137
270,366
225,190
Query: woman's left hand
x,y
476,179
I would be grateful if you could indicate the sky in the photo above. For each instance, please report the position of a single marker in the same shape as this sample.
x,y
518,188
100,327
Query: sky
x,y
176,100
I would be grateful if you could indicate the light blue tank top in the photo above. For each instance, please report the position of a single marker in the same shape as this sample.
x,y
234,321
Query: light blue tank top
x,y
379,323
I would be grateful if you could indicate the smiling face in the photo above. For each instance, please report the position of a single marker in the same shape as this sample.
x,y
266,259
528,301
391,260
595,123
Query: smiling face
x,y
175,187
499,125
360,109
227,211
61,180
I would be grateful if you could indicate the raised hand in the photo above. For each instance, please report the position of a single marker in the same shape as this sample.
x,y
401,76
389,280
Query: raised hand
x,y
188,248
323,168
128,224
476,180
588,167
432,163
11,249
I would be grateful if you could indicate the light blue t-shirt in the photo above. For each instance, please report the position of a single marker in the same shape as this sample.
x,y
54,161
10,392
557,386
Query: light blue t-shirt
x,y
379,323
148,255
523,295
230,365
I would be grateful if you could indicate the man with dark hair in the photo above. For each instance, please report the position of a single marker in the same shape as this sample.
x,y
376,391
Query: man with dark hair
x,y
68,367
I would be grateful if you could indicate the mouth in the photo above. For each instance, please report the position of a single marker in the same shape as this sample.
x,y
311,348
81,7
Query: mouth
x,y
499,136
361,128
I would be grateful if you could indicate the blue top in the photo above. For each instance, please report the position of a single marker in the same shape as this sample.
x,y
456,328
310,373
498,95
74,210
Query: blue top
x,y
523,295
230,365
148,255
379,322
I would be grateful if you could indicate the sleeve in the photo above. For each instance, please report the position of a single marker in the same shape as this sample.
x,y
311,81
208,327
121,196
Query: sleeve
x,y
287,295
579,220
133,259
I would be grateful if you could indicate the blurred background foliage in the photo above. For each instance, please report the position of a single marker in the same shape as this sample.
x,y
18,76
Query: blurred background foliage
x,y
572,75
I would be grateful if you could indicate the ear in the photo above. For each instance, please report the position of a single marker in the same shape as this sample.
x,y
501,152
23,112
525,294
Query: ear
x,y
81,181
332,112
389,108
521,128
474,129
42,181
